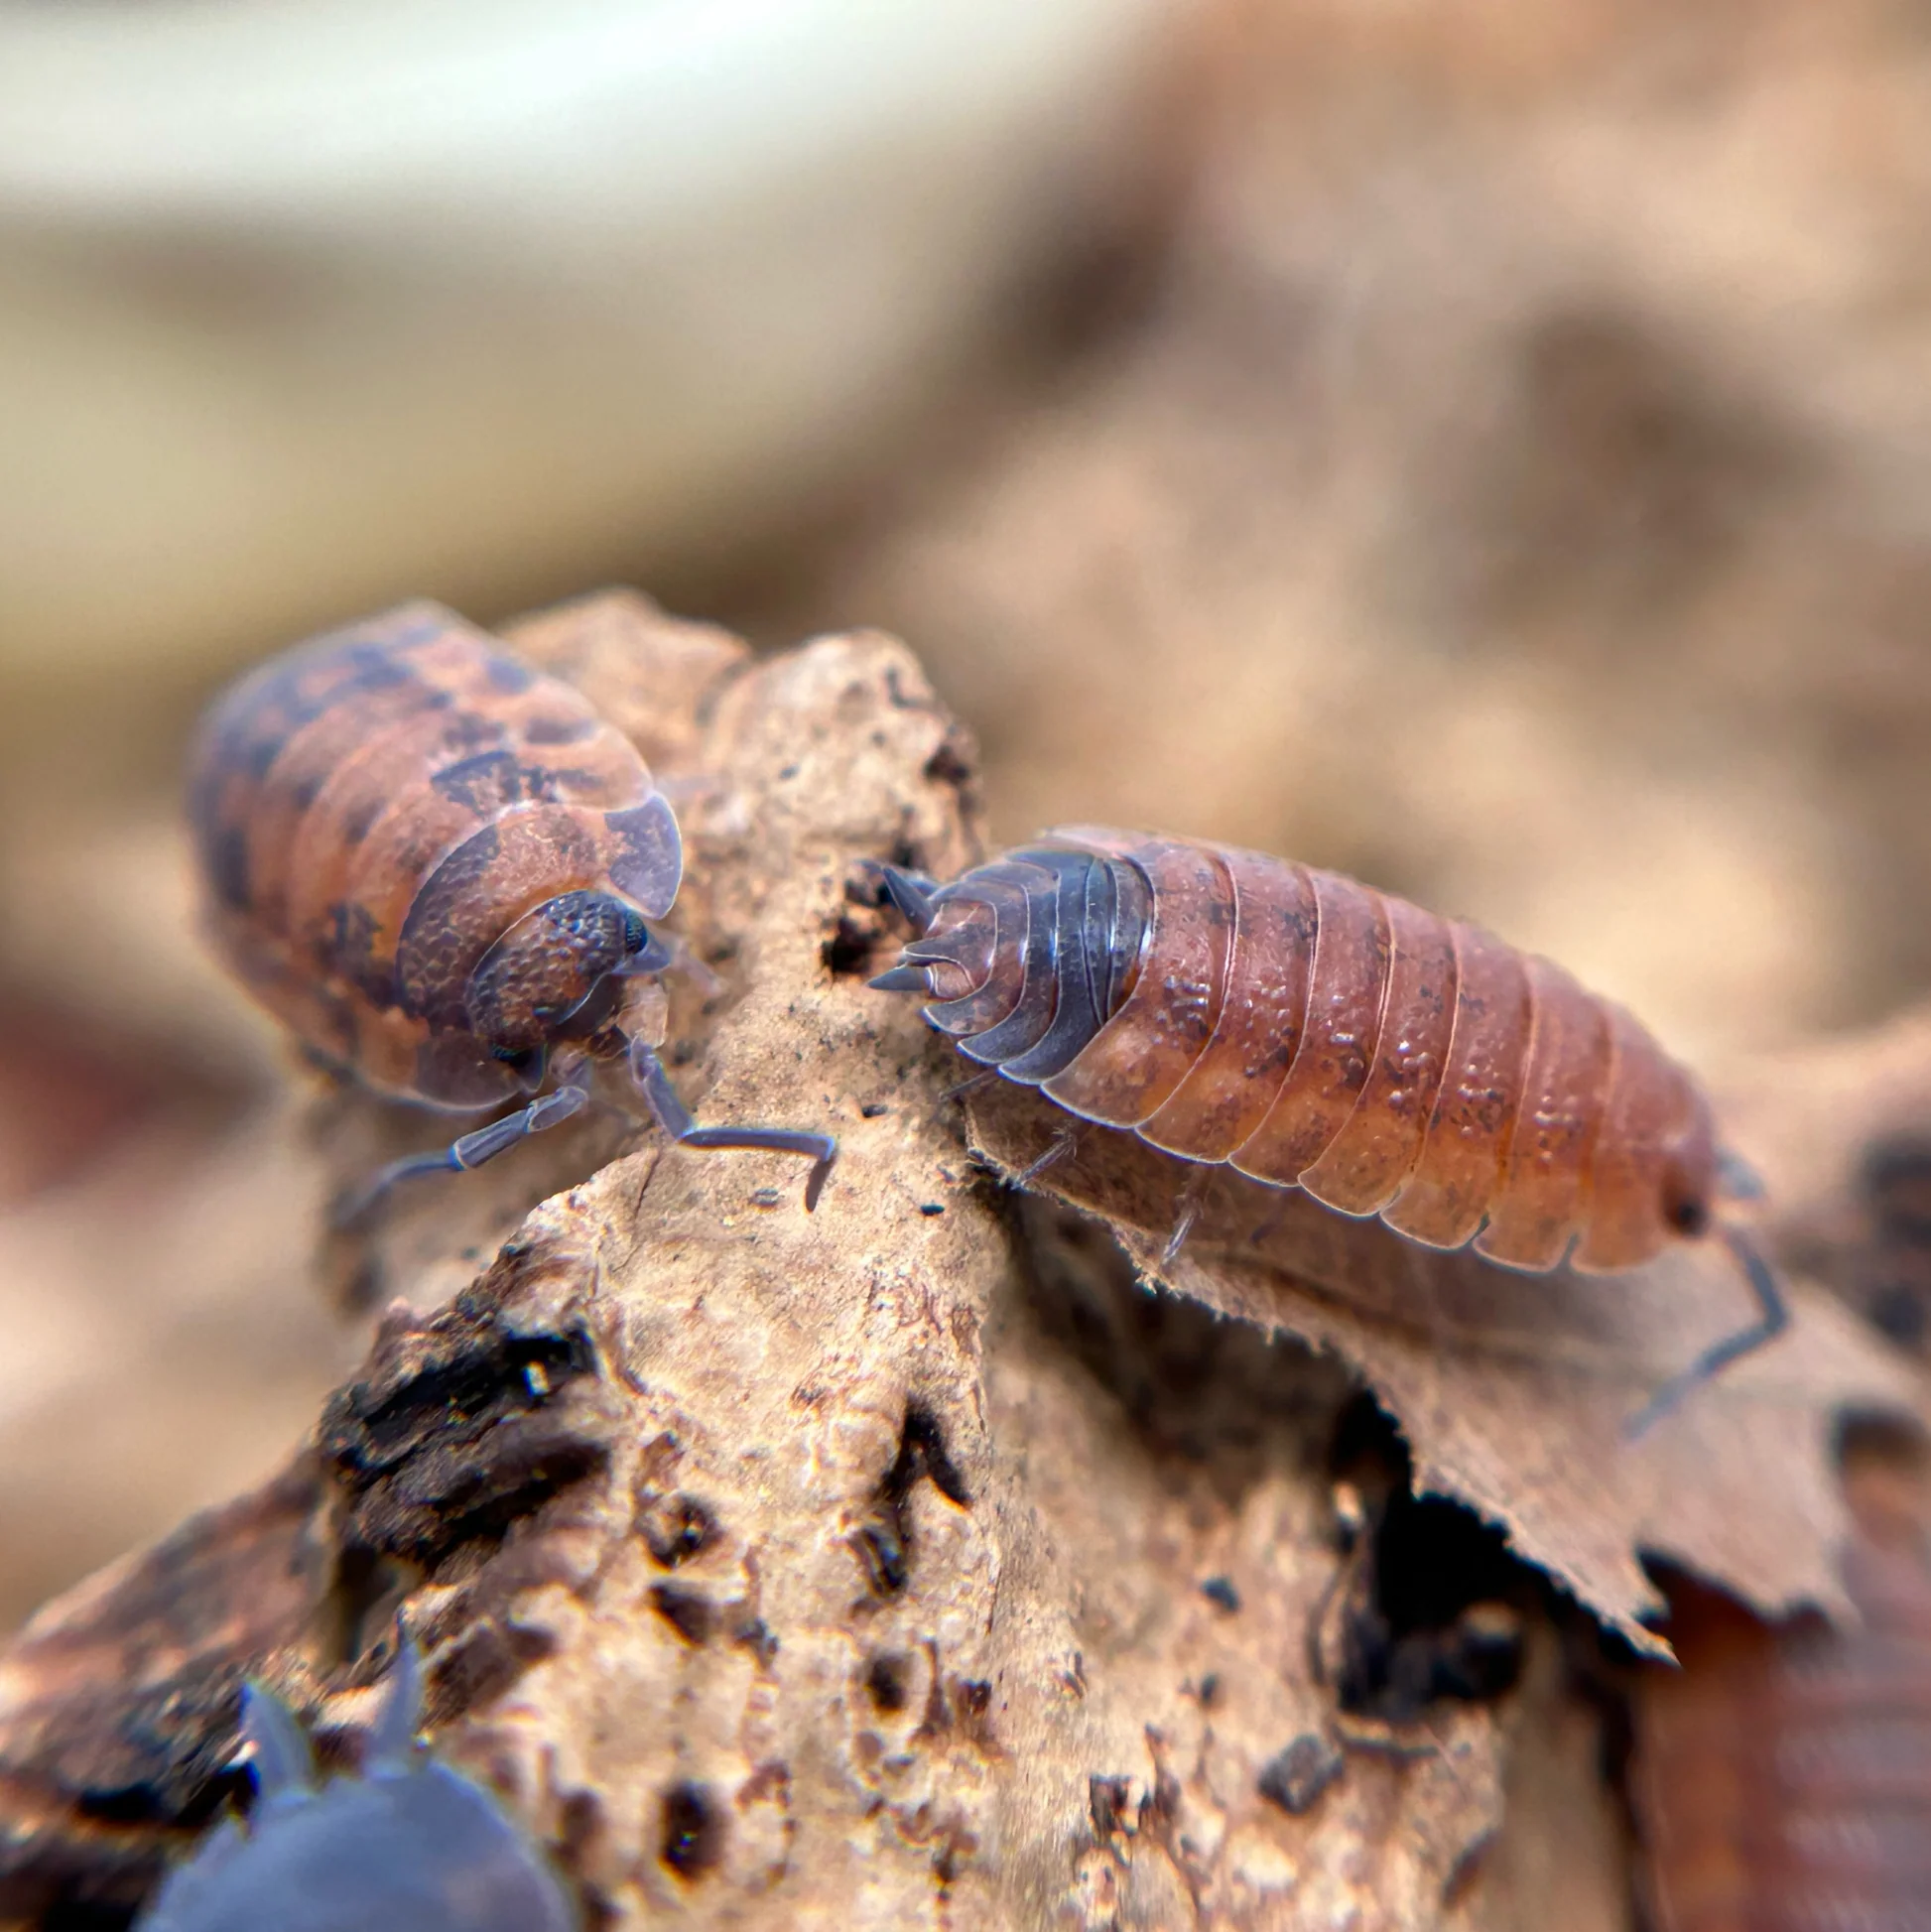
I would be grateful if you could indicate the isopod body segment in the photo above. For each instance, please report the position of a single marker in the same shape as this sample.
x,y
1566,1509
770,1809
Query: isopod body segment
x,y
1309,1031
1781,1777
438,867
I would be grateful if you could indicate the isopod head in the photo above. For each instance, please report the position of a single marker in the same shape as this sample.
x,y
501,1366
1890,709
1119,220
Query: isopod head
x,y
557,974
409,1844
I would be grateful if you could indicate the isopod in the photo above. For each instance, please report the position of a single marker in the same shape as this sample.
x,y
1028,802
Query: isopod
x,y
410,1843
1312,1032
1782,1777
436,865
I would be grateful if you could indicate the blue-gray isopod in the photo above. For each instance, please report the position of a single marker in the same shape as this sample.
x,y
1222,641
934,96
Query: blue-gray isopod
x,y
410,1846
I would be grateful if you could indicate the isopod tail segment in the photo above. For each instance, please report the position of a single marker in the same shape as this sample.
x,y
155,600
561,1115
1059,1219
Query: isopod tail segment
x,y
1233,1009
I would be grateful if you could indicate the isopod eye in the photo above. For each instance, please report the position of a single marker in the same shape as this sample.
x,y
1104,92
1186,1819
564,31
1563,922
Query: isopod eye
x,y
529,986
647,953
1686,1206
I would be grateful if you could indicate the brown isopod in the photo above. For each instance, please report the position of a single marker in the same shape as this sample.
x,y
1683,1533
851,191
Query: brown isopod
x,y
436,865
1309,1031
1782,1777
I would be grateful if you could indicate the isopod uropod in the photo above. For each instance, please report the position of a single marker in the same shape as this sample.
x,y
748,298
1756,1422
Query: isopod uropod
x,y
410,1843
436,865
1309,1031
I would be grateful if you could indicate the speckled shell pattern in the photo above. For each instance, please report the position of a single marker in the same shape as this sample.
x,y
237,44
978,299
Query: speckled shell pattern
x,y
1312,1032
375,808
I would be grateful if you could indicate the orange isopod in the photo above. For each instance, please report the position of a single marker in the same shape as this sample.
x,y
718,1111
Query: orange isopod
x,y
1309,1031
437,866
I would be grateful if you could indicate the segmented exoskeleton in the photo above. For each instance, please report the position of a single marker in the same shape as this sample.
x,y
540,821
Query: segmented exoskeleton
x,y
1309,1031
437,865
411,1843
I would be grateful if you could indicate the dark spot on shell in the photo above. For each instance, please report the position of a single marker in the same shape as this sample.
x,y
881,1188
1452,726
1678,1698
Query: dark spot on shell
x,y
229,867
350,951
355,827
486,1662
508,675
923,1452
466,731
582,1827
558,730
931,1207
693,1831
259,758
483,782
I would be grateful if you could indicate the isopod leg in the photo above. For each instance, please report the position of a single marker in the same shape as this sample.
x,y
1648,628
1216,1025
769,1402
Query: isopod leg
x,y
1773,1318
1187,1211
471,1150
975,1084
1062,1146
674,1117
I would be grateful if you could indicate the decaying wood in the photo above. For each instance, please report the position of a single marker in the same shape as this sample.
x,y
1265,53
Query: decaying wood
x,y
903,1564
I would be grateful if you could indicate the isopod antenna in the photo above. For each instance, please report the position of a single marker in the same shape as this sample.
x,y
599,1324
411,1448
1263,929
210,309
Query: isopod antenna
x,y
1773,1317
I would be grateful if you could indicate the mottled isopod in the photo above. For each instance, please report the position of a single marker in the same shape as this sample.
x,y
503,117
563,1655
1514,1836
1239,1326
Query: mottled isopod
x,y
411,1846
1309,1031
435,865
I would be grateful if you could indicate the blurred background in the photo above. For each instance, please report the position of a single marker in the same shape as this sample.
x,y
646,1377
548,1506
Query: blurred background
x,y
1486,448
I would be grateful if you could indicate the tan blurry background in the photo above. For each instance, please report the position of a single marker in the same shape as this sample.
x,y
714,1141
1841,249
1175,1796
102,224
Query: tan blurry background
x,y
1483,448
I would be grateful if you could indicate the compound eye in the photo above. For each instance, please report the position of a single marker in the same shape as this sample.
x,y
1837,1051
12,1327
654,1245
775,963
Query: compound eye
x,y
1686,1208
540,973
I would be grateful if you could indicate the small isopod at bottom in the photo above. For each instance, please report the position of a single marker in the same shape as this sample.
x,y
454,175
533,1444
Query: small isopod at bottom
x,y
409,1844
1311,1032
